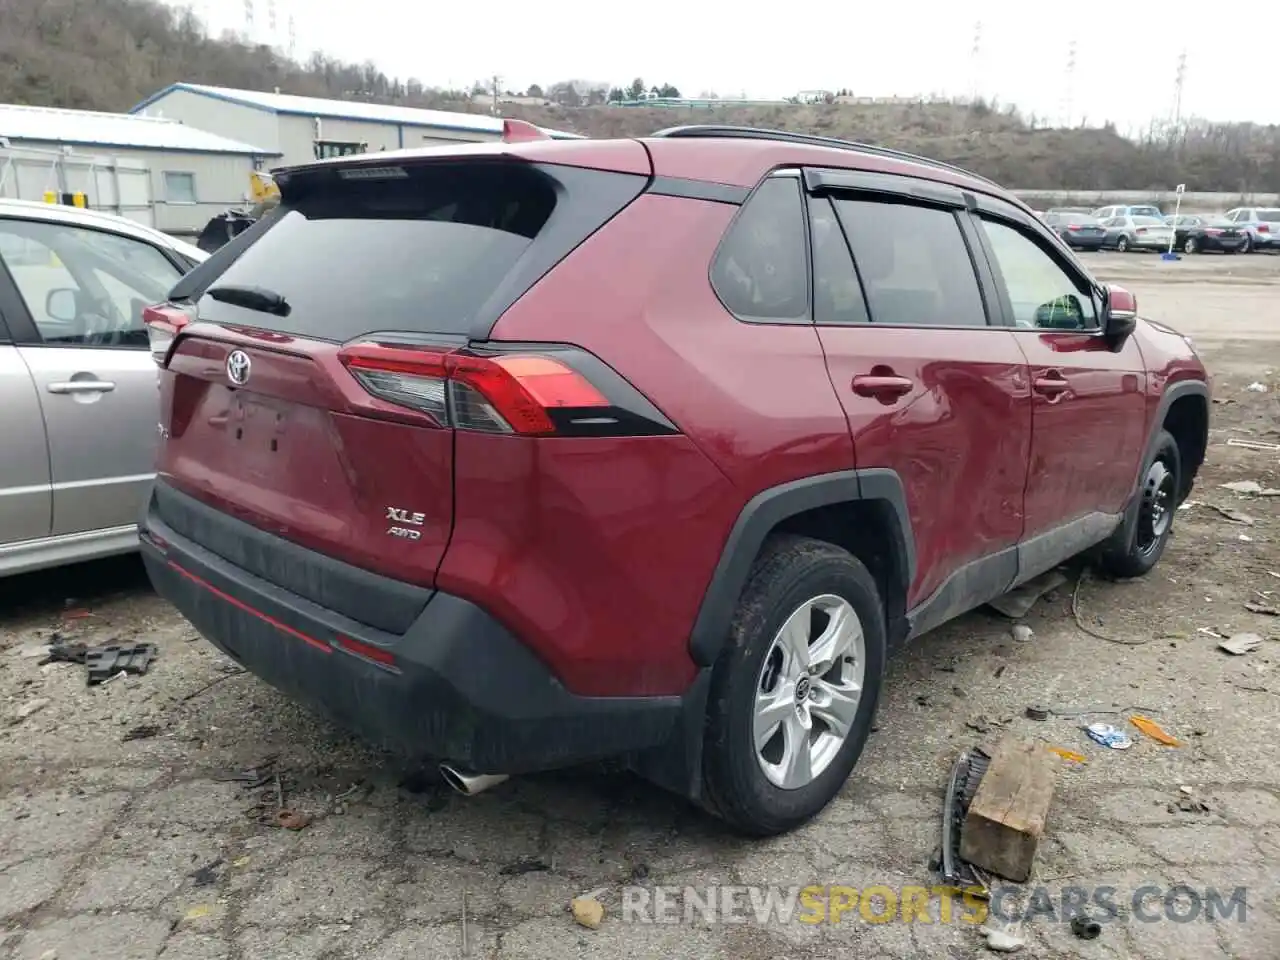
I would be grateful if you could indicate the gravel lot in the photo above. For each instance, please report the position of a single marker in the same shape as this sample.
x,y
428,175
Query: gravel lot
x,y
112,798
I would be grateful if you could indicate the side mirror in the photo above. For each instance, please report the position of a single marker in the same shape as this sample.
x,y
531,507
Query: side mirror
x,y
61,304
1119,312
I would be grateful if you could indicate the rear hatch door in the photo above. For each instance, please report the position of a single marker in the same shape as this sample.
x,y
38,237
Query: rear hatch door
x,y
263,418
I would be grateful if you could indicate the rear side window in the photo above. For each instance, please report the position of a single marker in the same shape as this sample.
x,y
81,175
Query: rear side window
x,y
420,251
837,295
760,271
914,264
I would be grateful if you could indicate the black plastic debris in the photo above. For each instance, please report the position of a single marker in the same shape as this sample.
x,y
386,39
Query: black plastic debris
x,y
207,875
144,732
1086,928
62,651
523,866
963,785
106,661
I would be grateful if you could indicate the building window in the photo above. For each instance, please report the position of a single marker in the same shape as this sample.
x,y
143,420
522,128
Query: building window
x,y
339,148
179,187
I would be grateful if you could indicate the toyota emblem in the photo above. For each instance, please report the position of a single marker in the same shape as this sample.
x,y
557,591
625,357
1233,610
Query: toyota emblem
x,y
238,367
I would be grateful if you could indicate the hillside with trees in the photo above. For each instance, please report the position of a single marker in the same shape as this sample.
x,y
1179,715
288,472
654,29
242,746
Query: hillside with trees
x,y
111,54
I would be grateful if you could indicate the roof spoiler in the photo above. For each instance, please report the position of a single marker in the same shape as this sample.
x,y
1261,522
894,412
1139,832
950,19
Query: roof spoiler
x,y
521,131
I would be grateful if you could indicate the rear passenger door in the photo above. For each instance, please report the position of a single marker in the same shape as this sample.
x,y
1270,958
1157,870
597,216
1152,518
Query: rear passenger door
x,y
933,390
1088,392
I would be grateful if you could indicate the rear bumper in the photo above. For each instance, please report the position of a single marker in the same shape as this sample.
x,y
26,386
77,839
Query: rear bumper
x,y
457,686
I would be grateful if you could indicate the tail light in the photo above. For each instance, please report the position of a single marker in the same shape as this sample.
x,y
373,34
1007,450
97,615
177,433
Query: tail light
x,y
1212,231
1263,228
1072,226
164,322
509,393
1142,230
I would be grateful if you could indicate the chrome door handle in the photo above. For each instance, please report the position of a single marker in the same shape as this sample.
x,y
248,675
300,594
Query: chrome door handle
x,y
82,386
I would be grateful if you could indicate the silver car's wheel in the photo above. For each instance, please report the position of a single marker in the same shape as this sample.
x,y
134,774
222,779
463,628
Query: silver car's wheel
x,y
808,692
1122,244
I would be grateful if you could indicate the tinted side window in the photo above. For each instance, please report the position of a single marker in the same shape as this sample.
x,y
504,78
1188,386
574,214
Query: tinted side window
x,y
761,271
914,264
837,294
1042,293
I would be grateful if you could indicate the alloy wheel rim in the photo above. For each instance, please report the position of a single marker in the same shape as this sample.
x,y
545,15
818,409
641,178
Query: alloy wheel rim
x,y
808,691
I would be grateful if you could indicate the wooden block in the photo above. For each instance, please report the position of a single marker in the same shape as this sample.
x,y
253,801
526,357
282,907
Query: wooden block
x,y
1006,819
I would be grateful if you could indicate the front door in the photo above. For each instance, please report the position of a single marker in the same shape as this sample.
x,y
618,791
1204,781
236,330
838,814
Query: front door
x,y
80,334
1088,394
932,390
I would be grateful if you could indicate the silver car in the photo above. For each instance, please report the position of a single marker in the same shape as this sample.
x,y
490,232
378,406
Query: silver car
x,y
1137,233
78,387
1261,226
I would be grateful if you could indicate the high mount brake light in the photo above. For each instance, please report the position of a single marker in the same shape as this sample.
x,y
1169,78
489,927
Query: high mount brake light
x,y
164,321
512,393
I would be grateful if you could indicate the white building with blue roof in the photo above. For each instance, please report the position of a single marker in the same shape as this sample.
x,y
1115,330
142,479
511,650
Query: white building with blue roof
x,y
159,171
302,129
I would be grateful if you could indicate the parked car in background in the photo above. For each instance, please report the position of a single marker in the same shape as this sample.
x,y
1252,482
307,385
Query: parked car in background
x,y
1080,231
78,390
361,458
1137,233
1134,210
1261,226
1196,233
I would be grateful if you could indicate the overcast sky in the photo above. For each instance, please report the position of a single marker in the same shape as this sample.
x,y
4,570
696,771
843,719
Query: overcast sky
x,y
1126,52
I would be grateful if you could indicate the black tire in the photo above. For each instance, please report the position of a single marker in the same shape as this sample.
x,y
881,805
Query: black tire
x,y
1190,246
1247,246
1122,245
789,572
1158,485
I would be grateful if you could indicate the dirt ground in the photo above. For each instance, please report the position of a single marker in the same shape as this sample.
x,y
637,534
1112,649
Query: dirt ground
x,y
121,839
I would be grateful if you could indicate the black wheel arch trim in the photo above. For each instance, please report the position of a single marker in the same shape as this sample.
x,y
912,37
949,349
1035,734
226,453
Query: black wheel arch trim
x,y
1175,391
758,518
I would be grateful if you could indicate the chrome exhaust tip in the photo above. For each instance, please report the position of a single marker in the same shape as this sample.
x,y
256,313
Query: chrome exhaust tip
x,y
469,784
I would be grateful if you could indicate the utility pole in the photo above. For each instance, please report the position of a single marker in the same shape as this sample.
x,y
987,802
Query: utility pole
x,y
1180,79
248,20
497,89
976,63
1068,96
293,39
271,22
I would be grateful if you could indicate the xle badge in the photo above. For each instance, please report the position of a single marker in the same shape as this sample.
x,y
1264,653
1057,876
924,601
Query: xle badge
x,y
401,521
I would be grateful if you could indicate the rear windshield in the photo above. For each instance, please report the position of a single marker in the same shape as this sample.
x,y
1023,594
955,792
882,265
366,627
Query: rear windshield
x,y
1145,211
1150,220
1270,216
1079,219
421,250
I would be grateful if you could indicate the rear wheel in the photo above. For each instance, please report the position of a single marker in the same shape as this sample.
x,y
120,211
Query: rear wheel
x,y
1122,244
1156,504
1190,245
1247,246
794,692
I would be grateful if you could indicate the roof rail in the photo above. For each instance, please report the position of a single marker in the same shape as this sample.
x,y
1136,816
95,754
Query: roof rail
x,y
813,140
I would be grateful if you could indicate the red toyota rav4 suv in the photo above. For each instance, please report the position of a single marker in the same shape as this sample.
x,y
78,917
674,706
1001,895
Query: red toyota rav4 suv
x,y
521,454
